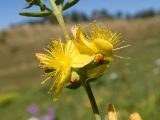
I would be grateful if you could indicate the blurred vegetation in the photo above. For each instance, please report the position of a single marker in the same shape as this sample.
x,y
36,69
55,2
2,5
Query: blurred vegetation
x,y
132,85
7,98
75,17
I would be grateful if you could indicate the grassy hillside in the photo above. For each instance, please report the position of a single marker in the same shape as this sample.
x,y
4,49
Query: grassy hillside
x,y
132,85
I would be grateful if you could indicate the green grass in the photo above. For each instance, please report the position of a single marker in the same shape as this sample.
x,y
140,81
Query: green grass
x,y
135,87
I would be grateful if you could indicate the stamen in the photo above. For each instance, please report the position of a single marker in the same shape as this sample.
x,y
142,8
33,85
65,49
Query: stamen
x,y
57,74
61,45
50,52
113,36
122,47
118,43
48,75
44,81
115,42
121,57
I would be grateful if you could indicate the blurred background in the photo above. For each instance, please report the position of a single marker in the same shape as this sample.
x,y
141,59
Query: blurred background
x,y
131,85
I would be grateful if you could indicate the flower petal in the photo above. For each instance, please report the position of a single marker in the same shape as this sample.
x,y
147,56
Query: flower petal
x,y
47,61
80,60
104,46
71,49
77,59
81,41
61,79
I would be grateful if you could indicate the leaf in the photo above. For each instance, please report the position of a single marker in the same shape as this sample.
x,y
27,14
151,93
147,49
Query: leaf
x,y
69,4
35,14
26,6
58,2
96,72
74,86
30,3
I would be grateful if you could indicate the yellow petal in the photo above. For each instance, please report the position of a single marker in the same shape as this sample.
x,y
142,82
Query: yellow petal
x,y
81,41
77,60
104,46
112,115
78,34
71,49
80,60
60,80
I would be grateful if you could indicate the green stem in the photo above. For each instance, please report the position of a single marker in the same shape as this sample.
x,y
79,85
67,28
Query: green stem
x,y
92,101
62,24
58,14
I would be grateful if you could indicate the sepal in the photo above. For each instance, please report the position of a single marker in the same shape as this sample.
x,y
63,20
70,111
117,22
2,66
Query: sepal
x,y
96,72
74,86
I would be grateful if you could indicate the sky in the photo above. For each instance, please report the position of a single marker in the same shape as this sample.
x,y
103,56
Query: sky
x,y
9,10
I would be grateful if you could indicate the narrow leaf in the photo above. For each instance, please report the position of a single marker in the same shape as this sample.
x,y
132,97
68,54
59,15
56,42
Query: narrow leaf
x,y
35,14
58,2
30,3
27,5
70,4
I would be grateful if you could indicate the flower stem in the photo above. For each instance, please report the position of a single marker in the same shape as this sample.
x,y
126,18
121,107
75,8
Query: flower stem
x,y
58,14
92,101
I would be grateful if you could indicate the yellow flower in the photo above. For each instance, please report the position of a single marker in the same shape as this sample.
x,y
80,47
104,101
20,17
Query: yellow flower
x,y
112,115
61,58
101,41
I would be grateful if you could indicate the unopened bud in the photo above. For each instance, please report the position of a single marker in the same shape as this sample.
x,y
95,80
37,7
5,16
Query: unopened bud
x,y
99,58
74,77
135,116
112,115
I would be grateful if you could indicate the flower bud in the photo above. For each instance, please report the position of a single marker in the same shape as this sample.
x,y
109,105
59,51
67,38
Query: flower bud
x,y
74,77
112,115
135,116
99,58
